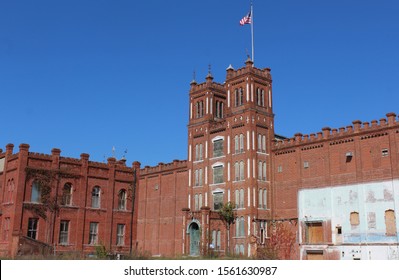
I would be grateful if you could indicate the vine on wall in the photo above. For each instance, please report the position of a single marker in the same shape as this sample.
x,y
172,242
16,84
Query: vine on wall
x,y
45,178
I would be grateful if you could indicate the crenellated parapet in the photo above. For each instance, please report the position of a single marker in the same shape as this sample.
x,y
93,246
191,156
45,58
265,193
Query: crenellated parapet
x,y
196,88
327,134
164,167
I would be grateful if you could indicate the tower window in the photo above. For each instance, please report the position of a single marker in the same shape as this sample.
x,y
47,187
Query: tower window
x,y
218,148
218,174
217,200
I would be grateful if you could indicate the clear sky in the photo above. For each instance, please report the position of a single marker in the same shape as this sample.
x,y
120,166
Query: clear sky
x,y
85,76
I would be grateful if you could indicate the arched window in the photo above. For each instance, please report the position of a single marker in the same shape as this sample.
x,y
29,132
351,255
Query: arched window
x,y
242,198
236,145
219,109
200,201
196,208
122,200
218,174
67,194
260,165
240,227
264,171
241,143
239,198
242,170
264,205
95,197
36,192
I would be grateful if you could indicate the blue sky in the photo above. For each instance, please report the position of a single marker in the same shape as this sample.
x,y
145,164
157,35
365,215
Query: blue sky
x,y
85,76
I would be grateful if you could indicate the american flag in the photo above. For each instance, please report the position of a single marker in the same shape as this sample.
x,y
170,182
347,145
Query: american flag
x,y
246,20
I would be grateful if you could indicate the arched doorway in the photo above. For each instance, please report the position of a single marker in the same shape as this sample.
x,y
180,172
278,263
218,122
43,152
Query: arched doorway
x,y
194,232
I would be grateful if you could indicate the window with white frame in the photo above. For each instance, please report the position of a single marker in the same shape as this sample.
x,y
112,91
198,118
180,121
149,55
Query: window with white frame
x,y
199,108
239,170
218,176
67,194
198,152
197,202
198,177
261,143
219,109
122,197
218,148
241,143
239,97
64,232
217,200
262,199
36,192
120,234
239,198
236,144
32,228
240,227
260,97
264,171
93,233
95,197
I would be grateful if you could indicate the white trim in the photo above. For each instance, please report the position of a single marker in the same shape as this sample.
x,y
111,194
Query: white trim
x,y
228,144
249,168
206,175
228,98
247,91
189,152
207,102
189,177
191,110
248,141
228,172
216,138
206,149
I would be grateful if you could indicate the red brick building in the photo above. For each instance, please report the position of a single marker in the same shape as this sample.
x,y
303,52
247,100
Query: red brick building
x,y
233,156
53,204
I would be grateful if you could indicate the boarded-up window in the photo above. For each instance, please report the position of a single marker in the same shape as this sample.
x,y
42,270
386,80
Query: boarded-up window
x,y
390,222
314,255
354,219
314,233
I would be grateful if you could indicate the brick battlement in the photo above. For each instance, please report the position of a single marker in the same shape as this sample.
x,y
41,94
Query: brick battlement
x,y
327,133
198,87
244,70
162,167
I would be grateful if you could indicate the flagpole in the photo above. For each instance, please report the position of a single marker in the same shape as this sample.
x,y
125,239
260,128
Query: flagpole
x,y
252,32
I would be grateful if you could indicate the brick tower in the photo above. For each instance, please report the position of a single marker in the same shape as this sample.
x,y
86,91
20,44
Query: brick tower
x,y
230,129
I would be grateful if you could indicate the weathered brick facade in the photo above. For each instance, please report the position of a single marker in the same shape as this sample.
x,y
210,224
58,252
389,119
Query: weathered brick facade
x,y
233,155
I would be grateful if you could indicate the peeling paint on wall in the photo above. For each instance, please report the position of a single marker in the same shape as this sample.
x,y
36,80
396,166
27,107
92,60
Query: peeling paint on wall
x,y
362,215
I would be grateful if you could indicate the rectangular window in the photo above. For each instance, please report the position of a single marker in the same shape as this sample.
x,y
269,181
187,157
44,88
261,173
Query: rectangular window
x,y
93,234
217,201
305,164
279,169
384,152
218,174
120,235
32,228
64,230
218,148
314,233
